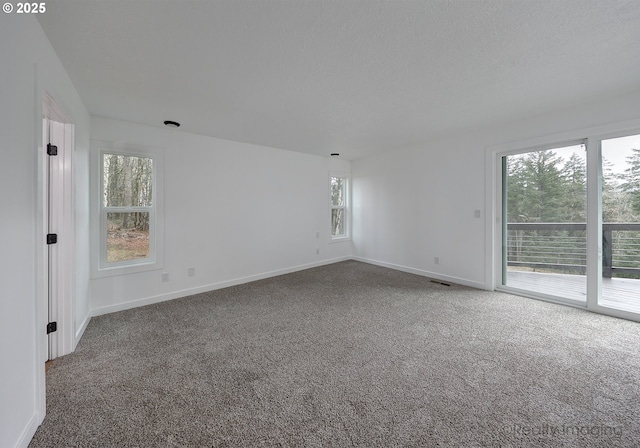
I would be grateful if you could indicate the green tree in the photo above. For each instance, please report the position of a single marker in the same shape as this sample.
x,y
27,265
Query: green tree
x,y
543,187
573,205
615,206
631,182
516,187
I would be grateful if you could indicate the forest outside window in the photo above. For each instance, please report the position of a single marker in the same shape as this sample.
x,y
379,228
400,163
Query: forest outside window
x,y
127,207
128,210
339,204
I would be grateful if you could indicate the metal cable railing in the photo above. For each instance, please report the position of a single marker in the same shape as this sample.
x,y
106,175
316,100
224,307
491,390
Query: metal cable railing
x,y
562,247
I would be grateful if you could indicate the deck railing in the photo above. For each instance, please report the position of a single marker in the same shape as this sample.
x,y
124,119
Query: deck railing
x,y
563,247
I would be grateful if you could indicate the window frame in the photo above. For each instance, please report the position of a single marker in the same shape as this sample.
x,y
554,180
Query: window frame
x,y
155,261
346,207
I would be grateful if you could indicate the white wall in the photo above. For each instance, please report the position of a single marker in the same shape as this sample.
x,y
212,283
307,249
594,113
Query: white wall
x,y
23,44
233,211
417,204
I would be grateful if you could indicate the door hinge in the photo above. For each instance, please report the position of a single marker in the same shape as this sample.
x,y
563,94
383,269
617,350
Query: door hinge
x,y
51,327
52,150
52,238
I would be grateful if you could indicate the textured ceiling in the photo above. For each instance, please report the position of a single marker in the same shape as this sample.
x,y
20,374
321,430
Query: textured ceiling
x,y
352,76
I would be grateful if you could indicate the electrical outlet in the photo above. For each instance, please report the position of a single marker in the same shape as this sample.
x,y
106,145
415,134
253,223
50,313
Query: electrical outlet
x,y
191,272
317,251
476,213
317,234
165,276
436,260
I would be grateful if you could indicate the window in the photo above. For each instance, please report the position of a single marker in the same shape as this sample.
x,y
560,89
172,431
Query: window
x,y
127,206
128,196
339,207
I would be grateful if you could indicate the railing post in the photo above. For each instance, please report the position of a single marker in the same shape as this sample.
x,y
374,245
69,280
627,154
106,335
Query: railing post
x,y
607,252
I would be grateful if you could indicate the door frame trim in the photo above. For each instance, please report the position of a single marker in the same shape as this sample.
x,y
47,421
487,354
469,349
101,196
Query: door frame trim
x,y
46,108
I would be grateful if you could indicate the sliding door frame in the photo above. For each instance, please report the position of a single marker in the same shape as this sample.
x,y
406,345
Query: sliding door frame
x,y
594,223
502,229
595,280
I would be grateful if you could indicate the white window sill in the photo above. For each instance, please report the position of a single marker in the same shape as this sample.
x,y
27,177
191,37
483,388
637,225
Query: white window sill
x,y
111,271
340,239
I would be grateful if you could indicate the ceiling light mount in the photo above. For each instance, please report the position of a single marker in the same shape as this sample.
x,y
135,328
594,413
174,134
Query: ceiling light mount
x,y
172,124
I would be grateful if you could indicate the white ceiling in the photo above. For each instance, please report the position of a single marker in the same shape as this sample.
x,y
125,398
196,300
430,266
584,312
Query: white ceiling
x,y
350,76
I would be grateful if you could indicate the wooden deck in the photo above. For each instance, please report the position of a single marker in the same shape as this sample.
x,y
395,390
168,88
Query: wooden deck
x,y
620,293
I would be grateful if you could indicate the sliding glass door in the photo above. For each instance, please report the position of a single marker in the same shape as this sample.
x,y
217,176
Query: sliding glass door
x,y
570,217
620,238
544,222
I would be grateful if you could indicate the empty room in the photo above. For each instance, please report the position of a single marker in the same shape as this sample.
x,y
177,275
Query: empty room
x,y
373,223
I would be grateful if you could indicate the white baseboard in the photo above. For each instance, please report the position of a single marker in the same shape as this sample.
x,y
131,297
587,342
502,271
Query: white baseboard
x,y
433,275
80,331
210,287
28,433
238,281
